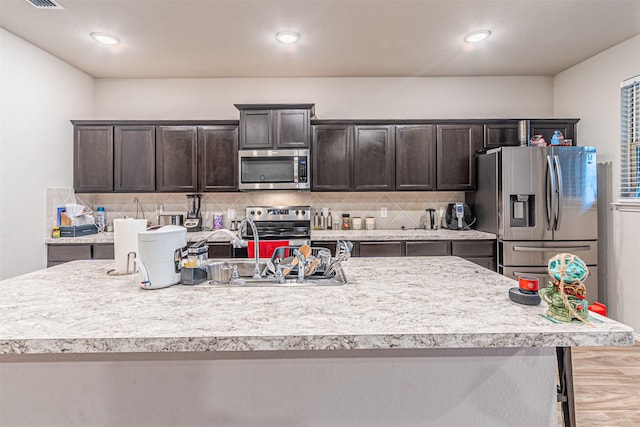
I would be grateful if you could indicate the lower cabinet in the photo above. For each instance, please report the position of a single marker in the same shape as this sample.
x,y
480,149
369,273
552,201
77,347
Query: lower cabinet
x,y
59,254
379,249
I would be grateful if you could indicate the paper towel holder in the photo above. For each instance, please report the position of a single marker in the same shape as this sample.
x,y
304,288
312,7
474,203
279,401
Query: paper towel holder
x,y
131,266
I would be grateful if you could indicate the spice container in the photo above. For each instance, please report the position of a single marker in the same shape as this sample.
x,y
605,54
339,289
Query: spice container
x,y
370,223
55,233
346,224
356,223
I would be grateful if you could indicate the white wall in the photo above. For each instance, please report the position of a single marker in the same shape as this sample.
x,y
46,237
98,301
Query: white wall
x,y
335,98
591,91
39,94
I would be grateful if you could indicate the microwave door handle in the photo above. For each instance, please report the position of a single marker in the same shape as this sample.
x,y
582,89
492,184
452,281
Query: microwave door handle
x,y
559,198
296,175
551,185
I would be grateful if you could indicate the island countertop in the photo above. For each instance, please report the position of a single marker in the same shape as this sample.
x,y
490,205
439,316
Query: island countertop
x,y
388,303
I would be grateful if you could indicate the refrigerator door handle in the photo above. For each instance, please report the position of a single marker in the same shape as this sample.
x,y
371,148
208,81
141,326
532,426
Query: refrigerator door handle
x,y
551,187
550,249
560,189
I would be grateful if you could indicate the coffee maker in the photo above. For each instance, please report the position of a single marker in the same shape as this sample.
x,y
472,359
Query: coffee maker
x,y
194,219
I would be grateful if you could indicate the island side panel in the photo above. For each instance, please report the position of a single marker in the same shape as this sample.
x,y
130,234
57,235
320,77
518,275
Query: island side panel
x,y
453,387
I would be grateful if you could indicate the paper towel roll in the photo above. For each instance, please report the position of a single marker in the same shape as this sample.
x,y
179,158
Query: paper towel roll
x,y
125,240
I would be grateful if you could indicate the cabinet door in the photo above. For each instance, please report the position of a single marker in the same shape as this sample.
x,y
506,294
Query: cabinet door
x,y
176,158
373,158
331,158
428,248
501,135
547,127
292,128
415,157
457,146
93,159
218,158
255,129
134,158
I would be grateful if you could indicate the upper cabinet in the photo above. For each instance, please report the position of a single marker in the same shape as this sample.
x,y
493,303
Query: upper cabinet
x,y
273,126
502,133
547,127
331,158
176,158
93,159
134,158
457,146
218,158
161,156
352,157
415,157
373,157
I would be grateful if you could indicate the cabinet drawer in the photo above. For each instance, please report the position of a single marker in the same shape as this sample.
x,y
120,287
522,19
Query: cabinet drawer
x,y
380,249
103,251
64,253
436,248
473,248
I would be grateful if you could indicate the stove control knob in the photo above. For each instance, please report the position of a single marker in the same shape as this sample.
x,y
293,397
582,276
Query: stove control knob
x,y
259,213
302,212
252,213
297,212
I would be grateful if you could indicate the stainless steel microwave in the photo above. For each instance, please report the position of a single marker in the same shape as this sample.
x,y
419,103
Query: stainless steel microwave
x,y
274,169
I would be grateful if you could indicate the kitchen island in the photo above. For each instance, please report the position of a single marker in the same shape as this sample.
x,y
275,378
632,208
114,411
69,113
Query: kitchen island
x,y
407,341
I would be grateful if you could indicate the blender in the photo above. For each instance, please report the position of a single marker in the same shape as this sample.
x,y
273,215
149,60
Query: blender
x,y
194,219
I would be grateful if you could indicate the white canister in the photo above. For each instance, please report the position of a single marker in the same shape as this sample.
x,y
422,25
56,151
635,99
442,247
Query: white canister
x,y
370,223
356,223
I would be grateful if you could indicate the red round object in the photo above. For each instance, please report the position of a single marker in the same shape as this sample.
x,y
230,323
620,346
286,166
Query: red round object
x,y
528,284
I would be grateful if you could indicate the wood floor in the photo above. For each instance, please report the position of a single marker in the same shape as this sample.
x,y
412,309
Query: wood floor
x,y
607,385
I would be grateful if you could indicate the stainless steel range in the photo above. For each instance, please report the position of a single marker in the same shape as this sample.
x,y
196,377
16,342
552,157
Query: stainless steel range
x,y
279,226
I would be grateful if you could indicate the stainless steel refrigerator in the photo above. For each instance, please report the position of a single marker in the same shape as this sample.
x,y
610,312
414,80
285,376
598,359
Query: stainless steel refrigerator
x,y
540,201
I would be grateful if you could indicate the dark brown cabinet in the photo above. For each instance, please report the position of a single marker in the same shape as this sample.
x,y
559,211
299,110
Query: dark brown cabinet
x,y
415,157
331,158
501,134
176,158
373,158
352,157
275,126
547,127
428,248
93,159
218,158
457,145
134,158
380,249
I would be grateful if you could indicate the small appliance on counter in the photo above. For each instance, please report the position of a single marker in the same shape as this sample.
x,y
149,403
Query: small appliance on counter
x,y
195,270
459,216
170,219
194,219
159,259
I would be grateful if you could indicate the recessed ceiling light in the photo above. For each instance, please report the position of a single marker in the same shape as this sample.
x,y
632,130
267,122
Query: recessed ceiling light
x,y
287,37
105,38
477,36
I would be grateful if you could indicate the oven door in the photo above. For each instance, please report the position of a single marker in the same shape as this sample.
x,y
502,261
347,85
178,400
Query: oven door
x,y
273,169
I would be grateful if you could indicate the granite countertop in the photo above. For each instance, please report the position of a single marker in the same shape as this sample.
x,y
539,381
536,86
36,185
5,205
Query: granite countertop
x,y
405,303
317,235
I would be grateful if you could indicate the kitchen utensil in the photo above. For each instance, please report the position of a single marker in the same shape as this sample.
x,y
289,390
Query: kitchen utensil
x,y
219,272
527,291
429,221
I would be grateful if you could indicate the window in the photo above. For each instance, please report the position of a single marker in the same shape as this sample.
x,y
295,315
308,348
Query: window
x,y
630,141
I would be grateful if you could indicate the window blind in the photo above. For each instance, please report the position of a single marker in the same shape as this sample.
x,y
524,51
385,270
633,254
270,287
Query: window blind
x,y
630,140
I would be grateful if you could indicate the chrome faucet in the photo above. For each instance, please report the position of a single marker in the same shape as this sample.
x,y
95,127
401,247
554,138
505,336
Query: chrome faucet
x,y
256,246
238,242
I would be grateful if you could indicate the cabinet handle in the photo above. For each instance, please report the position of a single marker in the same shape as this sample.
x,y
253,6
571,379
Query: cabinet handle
x,y
555,248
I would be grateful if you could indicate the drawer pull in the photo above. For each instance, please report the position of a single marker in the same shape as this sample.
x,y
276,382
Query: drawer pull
x,y
554,249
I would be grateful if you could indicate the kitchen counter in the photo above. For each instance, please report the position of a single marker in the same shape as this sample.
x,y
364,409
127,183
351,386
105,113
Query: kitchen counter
x,y
409,303
406,342
316,235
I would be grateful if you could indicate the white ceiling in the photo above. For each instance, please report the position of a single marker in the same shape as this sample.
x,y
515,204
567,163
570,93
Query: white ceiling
x,y
339,38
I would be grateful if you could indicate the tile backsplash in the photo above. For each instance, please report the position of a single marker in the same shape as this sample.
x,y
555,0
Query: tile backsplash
x,y
403,208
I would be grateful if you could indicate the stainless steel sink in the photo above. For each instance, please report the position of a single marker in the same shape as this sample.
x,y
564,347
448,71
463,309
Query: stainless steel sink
x,y
245,269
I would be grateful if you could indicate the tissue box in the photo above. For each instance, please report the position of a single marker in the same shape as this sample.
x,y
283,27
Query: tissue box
x,y
77,231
